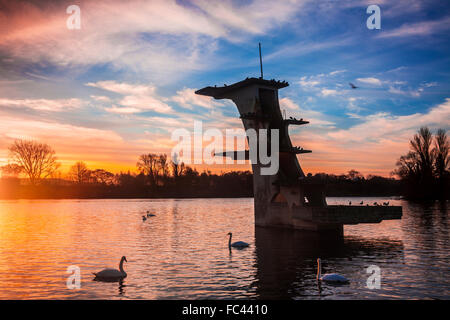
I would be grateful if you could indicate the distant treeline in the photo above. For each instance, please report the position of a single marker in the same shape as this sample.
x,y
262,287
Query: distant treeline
x,y
423,172
190,184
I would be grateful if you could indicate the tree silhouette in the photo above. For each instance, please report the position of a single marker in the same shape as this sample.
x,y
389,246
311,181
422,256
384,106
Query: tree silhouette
x,y
425,169
37,160
11,170
177,167
79,173
148,165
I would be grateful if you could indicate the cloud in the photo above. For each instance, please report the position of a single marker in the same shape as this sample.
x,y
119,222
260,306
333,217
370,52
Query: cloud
x,y
379,126
65,138
315,118
160,39
411,92
329,92
352,106
54,105
370,80
308,83
311,83
101,98
187,98
372,146
332,73
305,47
137,98
417,29
118,110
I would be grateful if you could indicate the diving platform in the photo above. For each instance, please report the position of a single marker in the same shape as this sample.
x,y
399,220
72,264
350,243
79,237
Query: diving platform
x,y
295,122
296,150
235,155
286,199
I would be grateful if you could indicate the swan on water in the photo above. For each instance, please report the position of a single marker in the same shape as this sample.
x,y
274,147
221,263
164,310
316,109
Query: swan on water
x,y
237,244
112,274
329,277
150,214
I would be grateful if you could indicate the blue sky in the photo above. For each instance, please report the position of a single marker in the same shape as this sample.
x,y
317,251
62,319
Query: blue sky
x,y
121,84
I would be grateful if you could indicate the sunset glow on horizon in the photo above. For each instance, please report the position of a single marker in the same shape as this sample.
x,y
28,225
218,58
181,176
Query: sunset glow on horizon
x,y
119,86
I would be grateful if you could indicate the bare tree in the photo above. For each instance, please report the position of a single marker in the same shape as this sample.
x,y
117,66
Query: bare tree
x,y
102,176
408,166
424,165
148,165
11,170
163,166
421,145
441,154
37,160
79,172
354,175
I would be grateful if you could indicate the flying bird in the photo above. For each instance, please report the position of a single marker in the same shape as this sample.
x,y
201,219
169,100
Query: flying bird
x,y
352,85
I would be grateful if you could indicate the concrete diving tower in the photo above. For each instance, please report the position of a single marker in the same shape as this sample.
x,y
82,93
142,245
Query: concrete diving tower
x,y
287,199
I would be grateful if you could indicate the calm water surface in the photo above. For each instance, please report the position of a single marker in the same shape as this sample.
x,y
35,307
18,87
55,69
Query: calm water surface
x,y
182,252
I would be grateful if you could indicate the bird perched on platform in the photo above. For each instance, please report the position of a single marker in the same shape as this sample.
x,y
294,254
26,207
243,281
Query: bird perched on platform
x,y
349,203
329,277
352,85
385,203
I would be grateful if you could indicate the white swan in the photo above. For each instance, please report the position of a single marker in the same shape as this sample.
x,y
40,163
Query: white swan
x,y
237,244
112,274
329,277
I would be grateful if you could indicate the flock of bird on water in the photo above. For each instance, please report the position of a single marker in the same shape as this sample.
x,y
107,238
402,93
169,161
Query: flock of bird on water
x,y
375,203
113,275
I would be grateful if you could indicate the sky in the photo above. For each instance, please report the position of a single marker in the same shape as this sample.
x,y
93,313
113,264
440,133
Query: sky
x,y
122,83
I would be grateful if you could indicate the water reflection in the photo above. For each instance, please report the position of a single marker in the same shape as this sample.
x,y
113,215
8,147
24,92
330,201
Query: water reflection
x,y
121,288
182,252
286,261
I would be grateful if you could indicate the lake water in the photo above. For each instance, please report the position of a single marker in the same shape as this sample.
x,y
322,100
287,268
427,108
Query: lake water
x,y
182,252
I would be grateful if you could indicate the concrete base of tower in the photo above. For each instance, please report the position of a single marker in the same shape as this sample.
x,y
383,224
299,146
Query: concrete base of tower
x,y
322,219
